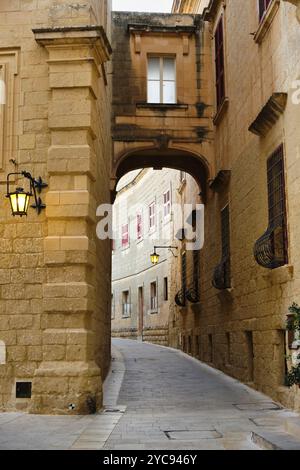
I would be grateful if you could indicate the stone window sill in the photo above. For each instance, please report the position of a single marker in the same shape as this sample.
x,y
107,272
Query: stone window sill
x,y
154,311
221,111
280,275
161,106
266,21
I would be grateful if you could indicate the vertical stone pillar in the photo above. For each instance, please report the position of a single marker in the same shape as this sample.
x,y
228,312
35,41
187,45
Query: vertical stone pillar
x,y
70,372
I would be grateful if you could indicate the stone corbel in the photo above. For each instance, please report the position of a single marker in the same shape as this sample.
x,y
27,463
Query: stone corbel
x,y
269,114
297,4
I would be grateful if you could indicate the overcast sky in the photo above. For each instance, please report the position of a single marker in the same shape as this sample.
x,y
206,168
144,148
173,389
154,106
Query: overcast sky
x,y
143,5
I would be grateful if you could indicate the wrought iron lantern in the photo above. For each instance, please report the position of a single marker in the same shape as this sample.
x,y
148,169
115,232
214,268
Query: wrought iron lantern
x,y
155,256
19,198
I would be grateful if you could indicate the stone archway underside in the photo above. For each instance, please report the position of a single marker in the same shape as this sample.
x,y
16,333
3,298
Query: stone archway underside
x,y
164,158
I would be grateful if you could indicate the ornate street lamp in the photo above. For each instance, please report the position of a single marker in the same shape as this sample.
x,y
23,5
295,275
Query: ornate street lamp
x,y
19,199
155,256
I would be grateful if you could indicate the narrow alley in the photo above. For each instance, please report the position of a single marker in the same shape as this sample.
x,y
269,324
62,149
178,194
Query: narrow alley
x,y
160,398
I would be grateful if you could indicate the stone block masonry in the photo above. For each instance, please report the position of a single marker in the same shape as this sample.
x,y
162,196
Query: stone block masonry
x,y
54,327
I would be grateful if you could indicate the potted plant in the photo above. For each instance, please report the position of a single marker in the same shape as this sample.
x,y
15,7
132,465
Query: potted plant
x,y
293,325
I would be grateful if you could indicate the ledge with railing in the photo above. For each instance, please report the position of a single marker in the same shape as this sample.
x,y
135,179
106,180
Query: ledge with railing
x,y
270,249
221,277
180,298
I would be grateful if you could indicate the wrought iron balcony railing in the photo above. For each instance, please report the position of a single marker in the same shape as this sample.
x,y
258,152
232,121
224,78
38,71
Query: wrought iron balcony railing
x,y
192,294
180,297
270,250
221,277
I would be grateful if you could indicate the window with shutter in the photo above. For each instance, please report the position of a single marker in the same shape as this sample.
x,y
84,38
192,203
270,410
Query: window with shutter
x,y
139,227
263,7
167,203
125,236
152,216
220,63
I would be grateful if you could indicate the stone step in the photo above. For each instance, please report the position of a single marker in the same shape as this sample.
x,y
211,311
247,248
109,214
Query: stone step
x,y
272,440
292,426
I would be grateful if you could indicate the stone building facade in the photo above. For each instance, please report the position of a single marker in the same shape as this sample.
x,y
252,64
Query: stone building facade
x,y
213,92
143,219
54,329
251,224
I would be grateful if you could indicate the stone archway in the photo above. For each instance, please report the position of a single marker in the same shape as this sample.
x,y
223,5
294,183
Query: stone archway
x,y
163,157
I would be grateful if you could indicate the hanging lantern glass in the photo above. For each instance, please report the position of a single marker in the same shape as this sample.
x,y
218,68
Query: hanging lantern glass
x,y
19,201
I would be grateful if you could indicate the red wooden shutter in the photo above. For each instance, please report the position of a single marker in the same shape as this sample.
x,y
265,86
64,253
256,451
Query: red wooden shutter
x,y
263,6
139,226
125,236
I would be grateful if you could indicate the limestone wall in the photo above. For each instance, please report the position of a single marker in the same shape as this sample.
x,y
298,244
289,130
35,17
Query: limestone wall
x,y
132,268
256,67
54,273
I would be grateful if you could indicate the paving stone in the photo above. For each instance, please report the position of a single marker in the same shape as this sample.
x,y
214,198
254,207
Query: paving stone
x,y
201,409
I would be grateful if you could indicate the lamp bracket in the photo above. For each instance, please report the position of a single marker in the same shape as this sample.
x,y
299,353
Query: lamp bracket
x,y
36,186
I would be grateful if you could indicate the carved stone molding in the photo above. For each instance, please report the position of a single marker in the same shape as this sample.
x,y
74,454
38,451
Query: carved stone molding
x,y
297,4
81,35
9,71
269,114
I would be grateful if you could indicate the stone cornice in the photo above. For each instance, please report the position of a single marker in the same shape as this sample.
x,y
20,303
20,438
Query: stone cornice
x,y
212,9
139,28
93,35
297,4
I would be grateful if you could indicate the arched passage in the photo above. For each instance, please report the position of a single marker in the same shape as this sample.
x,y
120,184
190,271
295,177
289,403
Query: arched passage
x,y
159,158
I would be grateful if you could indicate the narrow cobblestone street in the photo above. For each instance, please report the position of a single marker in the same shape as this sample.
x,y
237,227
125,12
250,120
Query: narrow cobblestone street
x,y
159,398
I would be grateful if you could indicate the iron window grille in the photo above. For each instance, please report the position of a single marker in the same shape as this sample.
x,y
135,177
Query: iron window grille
x,y
271,249
180,297
222,275
192,293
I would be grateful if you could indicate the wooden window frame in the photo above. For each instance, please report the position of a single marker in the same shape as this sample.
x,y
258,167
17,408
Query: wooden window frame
x,y
139,226
153,300
161,78
152,217
263,7
220,63
126,312
125,240
167,204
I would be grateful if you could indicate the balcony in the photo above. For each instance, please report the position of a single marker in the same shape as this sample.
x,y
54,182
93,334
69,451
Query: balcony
x,y
221,277
270,250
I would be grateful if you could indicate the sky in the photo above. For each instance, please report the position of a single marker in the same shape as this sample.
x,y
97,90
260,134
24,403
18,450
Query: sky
x,y
143,5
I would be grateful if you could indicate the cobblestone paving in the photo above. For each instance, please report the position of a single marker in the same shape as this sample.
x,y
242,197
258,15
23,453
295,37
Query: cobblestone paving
x,y
176,402
157,398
